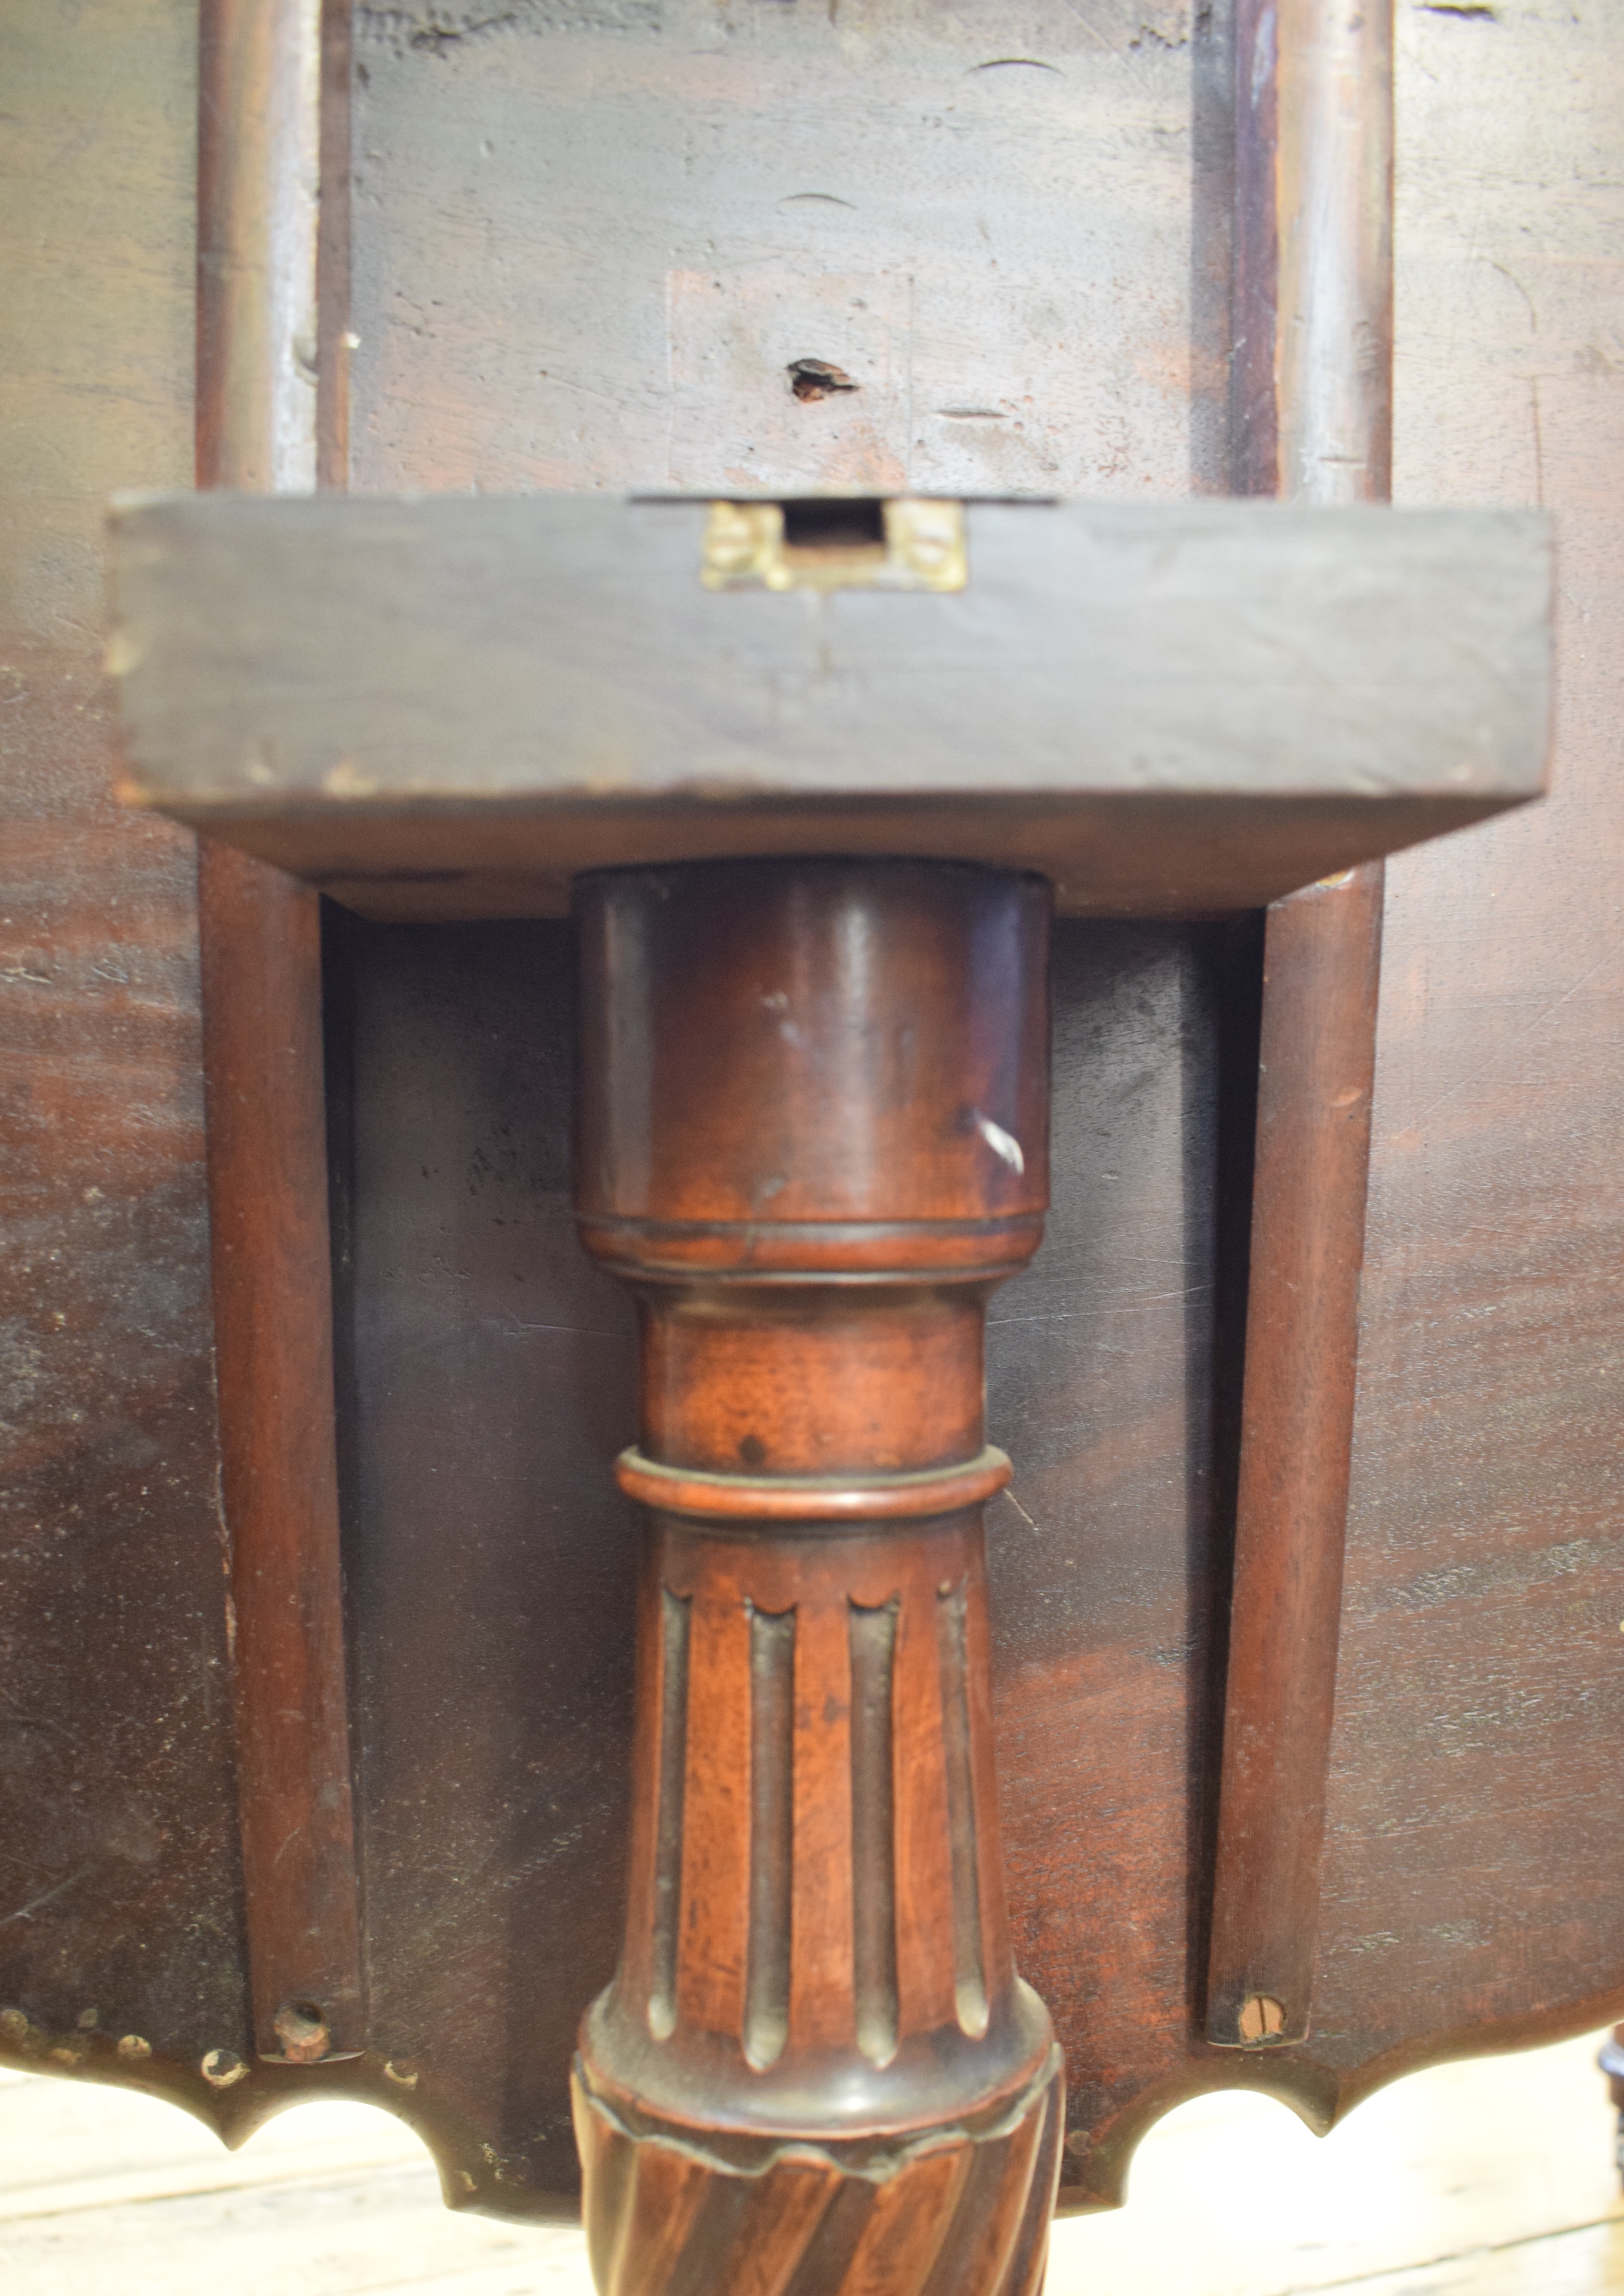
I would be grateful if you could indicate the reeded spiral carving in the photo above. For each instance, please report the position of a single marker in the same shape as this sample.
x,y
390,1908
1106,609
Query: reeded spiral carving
x,y
960,2213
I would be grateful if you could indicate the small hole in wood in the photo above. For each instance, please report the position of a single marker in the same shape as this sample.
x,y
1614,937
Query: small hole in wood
x,y
301,2028
811,378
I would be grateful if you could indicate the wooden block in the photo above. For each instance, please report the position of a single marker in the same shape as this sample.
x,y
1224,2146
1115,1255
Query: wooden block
x,y
445,707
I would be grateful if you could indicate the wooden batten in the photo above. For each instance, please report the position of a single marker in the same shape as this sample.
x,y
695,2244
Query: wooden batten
x,y
261,158
1313,414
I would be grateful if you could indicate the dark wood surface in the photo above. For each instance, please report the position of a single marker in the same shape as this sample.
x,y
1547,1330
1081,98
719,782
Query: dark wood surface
x,y
1316,1063
487,1382
120,1880
1105,1561
493,1362
1312,409
1473,1811
260,952
490,1362
258,157
1485,1435
496,690
263,1064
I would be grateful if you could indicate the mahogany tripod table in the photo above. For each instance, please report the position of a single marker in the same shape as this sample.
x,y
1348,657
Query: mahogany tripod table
x,y
799,766
812,1137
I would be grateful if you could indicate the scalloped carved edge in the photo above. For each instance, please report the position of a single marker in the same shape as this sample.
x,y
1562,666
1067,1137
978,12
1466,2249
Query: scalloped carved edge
x,y
1321,2095
475,2177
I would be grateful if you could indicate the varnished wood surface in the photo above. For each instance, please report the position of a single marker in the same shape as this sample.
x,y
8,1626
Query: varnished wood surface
x,y
1486,1436
1317,99
1313,414
473,1310
812,1134
1316,1061
261,981
258,184
487,1381
114,1718
491,690
469,1303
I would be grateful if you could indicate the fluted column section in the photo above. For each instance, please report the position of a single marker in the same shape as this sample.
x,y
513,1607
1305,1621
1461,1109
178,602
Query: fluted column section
x,y
813,1131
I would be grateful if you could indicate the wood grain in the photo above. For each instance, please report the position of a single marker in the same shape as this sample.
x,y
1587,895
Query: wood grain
x,y
495,1376
1316,1071
118,1784
259,153
1485,1447
1504,2156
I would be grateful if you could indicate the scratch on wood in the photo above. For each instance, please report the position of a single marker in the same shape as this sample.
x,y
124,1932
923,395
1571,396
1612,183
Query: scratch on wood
x,y
48,1897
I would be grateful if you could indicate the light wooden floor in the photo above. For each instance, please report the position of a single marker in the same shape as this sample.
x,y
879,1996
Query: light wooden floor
x,y
1494,2179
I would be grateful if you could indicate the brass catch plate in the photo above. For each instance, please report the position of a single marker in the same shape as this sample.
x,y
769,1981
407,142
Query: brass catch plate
x,y
915,543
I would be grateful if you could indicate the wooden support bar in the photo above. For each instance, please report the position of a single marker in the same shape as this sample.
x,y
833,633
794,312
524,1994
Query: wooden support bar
x,y
814,1136
258,148
1313,421
1321,971
267,1175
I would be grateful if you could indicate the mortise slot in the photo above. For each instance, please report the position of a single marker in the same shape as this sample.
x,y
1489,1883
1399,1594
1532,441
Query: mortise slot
x,y
828,522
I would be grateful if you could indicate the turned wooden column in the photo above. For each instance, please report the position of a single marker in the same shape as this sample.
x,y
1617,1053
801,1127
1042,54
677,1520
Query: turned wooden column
x,y
814,1136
